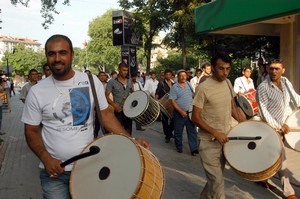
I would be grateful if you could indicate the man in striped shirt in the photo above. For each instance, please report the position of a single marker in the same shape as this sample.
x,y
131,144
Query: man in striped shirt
x,y
277,99
181,96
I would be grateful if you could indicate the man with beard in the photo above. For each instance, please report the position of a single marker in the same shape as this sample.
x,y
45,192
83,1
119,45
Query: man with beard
x,y
59,117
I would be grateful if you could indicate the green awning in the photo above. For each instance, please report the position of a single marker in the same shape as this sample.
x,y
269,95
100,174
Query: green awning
x,y
222,14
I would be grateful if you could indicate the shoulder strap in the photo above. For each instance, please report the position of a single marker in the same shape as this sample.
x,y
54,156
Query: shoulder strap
x,y
96,103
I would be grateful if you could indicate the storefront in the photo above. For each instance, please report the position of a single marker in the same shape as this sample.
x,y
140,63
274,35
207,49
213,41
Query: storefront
x,y
257,17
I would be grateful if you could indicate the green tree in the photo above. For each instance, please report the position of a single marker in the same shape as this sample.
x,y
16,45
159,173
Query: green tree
x,y
174,62
101,53
23,59
152,16
182,34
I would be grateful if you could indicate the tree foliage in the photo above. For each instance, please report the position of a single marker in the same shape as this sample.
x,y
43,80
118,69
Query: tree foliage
x,y
47,9
23,59
152,16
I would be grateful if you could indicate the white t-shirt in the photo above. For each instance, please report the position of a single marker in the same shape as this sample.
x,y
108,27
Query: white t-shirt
x,y
66,110
151,86
241,85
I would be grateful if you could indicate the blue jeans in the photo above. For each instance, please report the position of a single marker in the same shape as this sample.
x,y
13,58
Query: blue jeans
x,y
179,123
55,188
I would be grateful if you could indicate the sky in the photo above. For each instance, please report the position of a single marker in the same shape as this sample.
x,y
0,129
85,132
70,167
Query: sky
x,y
73,20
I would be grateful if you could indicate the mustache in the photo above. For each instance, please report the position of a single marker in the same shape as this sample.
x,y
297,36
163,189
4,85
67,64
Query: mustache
x,y
57,62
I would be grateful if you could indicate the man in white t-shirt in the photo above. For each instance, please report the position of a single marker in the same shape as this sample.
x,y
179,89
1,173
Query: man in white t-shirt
x,y
59,116
244,83
151,84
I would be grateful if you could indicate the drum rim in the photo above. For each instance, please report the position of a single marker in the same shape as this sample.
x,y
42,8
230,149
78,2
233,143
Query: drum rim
x,y
131,96
287,136
249,103
262,175
155,106
142,162
251,121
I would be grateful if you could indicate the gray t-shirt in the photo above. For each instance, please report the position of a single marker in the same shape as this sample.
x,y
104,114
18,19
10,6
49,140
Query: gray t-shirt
x,y
119,91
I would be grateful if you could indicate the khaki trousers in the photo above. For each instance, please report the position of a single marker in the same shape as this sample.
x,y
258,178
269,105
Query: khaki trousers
x,y
213,162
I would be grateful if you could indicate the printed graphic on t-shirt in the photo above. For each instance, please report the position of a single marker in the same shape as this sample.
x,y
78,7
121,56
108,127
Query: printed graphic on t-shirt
x,y
73,108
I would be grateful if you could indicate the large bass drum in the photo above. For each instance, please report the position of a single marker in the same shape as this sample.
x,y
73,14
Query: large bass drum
x,y
254,160
141,107
165,106
122,169
293,137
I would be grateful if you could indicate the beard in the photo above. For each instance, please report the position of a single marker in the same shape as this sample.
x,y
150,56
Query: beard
x,y
60,69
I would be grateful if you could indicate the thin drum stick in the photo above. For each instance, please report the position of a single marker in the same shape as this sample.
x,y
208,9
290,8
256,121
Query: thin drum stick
x,y
295,128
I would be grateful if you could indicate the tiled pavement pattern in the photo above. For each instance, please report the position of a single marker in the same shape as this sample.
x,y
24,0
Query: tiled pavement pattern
x,y
184,176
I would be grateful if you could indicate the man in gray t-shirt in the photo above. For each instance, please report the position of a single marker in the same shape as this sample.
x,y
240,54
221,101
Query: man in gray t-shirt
x,y
120,87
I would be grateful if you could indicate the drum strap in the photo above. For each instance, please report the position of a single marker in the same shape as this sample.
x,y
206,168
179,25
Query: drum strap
x,y
96,104
238,109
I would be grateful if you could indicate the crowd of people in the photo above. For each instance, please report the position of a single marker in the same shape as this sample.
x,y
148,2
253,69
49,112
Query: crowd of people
x,y
206,104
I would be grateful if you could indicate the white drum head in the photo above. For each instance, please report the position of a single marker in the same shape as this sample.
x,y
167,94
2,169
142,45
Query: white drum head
x,y
253,156
112,173
293,137
136,103
246,105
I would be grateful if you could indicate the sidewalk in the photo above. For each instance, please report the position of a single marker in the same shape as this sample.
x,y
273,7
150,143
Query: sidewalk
x,y
184,176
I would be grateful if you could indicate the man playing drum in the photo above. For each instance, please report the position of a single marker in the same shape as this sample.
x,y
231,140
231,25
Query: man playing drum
x,y
277,99
59,117
163,89
244,83
213,106
120,87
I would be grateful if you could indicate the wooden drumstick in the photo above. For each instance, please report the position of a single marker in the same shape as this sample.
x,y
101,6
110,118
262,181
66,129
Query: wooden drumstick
x,y
295,128
93,151
242,138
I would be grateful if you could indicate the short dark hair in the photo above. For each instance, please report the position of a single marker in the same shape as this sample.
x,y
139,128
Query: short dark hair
x,y
113,72
58,36
45,65
123,64
220,55
134,74
32,70
167,71
205,64
247,67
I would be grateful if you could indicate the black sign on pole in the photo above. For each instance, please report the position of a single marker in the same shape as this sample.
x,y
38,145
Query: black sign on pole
x,y
126,36
124,32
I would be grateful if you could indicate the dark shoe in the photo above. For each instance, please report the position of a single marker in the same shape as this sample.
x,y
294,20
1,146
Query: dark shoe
x,y
167,140
141,129
179,150
194,152
2,133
